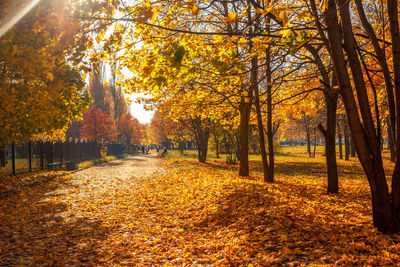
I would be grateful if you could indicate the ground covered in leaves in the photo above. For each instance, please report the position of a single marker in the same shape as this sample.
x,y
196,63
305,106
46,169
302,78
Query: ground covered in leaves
x,y
194,214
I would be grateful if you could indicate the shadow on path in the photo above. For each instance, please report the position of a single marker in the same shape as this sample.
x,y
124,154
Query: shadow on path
x,y
36,230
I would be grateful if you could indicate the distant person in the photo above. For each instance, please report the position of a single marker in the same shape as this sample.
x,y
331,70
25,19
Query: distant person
x,y
147,149
143,149
164,152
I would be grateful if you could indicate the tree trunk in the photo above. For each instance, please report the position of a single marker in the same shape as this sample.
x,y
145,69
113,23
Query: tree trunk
x,y
346,142
270,132
13,158
181,147
352,148
381,57
3,160
263,151
331,97
216,141
340,143
392,7
364,134
392,147
202,149
315,143
330,144
308,143
201,130
244,110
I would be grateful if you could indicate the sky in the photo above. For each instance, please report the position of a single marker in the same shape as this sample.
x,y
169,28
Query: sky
x,y
137,110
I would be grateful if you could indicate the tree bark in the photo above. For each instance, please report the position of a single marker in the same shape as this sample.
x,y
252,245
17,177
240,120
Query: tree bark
x,y
308,136
364,134
346,142
392,147
181,147
201,130
202,149
244,110
216,141
315,143
380,56
392,7
352,148
270,132
331,97
3,160
340,137
330,144
260,125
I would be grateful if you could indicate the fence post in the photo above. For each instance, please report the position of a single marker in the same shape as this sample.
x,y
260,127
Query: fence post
x,y
41,155
30,154
13,157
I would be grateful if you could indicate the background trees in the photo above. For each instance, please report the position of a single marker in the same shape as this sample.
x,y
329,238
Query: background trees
x,y
98,125
130,129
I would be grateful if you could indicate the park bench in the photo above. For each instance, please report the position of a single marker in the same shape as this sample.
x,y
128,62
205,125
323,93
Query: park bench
x,y
71,165
54,165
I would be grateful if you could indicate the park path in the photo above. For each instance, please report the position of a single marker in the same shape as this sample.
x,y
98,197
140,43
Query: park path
x,y
132,166
63,222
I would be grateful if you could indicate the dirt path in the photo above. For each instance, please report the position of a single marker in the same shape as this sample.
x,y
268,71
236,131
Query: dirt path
x,y
132,166
61,222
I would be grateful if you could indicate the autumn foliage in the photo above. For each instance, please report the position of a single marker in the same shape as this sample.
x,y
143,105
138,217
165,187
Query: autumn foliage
x,y
40,93
130,129
98,125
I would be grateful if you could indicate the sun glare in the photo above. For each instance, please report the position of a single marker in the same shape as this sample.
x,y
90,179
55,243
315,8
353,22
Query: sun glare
x,y
11,20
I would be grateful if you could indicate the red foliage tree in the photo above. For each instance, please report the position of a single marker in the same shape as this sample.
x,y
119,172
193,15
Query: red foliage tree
x,y
98,125
130,129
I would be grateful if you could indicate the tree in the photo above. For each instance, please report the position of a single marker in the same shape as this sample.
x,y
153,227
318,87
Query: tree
x,y
41,83
98,125
130,129
386,209
158,129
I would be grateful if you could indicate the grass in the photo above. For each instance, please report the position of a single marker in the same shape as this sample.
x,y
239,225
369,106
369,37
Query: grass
x,y
292,161
93,162
21,165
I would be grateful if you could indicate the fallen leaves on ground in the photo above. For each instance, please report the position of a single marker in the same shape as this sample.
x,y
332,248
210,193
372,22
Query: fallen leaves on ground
x,y
12,184
192,214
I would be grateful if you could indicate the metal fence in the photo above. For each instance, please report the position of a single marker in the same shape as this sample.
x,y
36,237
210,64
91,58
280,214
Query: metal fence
x,y
39,155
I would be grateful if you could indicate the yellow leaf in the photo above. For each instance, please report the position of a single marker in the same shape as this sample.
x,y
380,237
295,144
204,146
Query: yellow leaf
x,y
195,10
286,33
50,76
231,18
284,18
242,41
